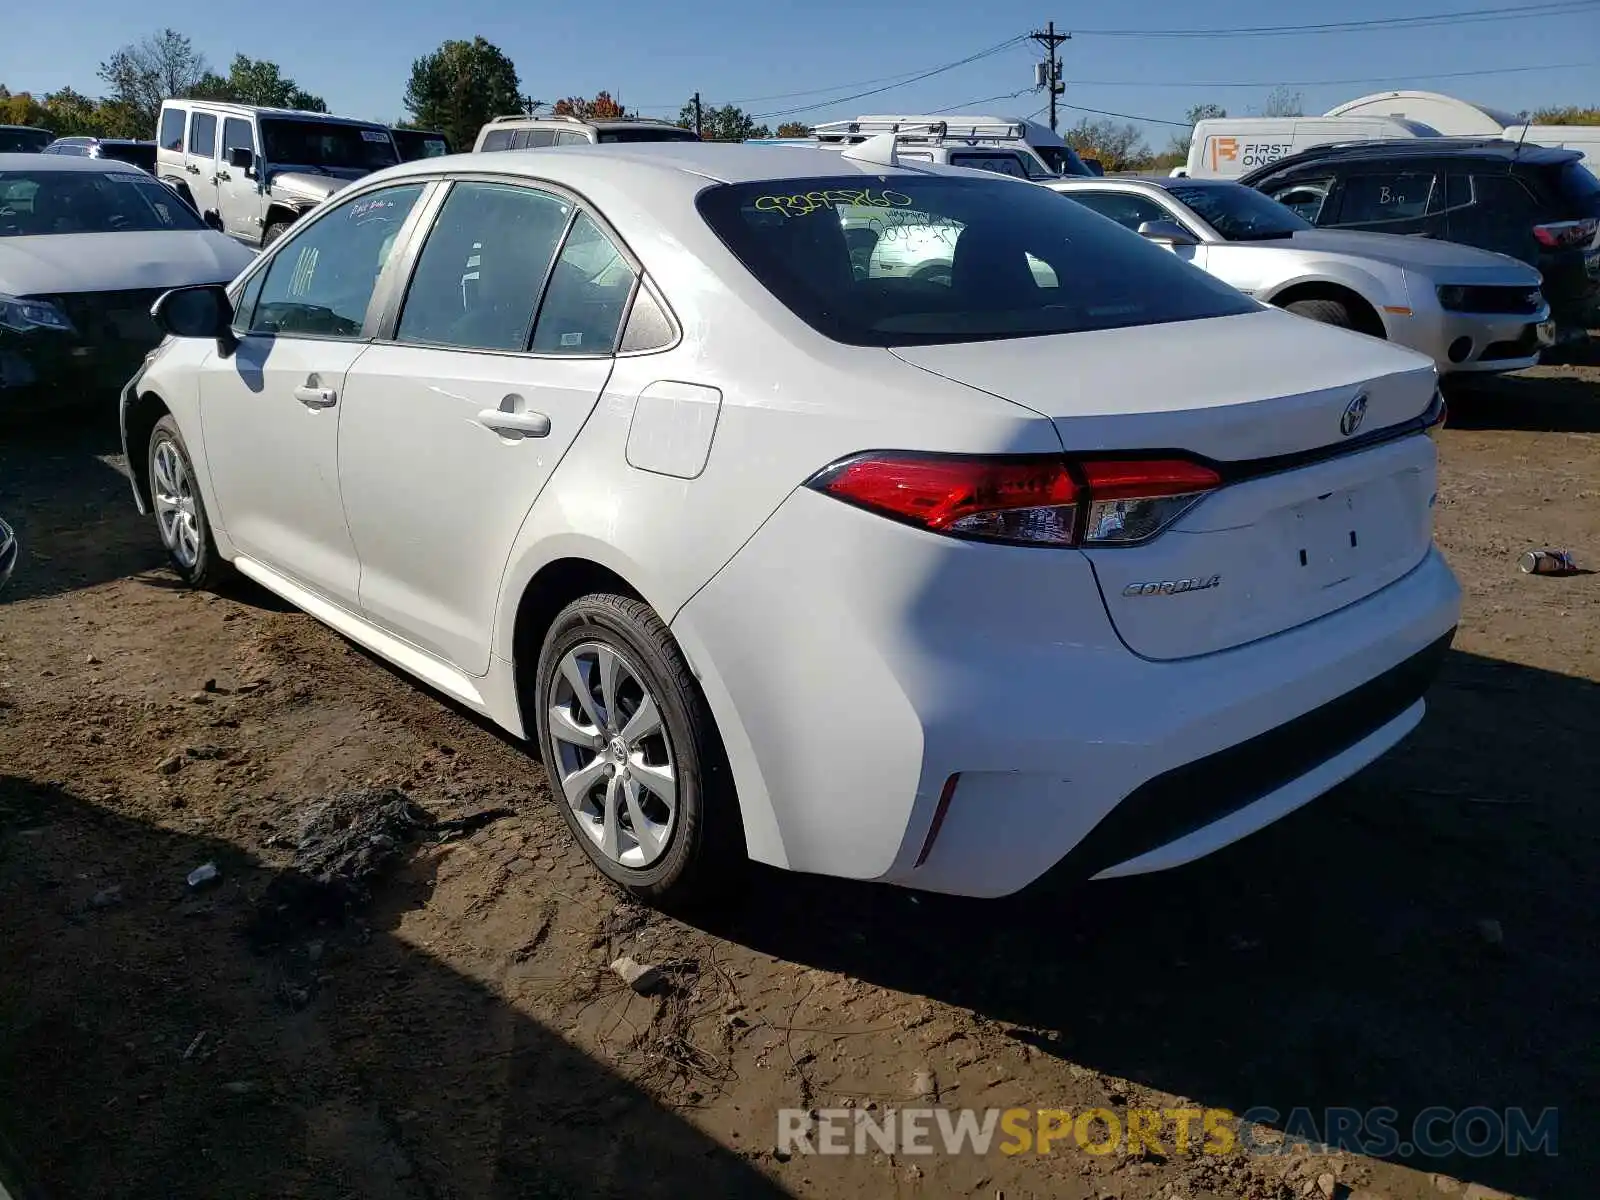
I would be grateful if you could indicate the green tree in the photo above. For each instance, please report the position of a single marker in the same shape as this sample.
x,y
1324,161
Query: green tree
x,y
793,129
142,74
1179,145
1566,116
460,87
726,124
1118,147
21,108
72,114
256,81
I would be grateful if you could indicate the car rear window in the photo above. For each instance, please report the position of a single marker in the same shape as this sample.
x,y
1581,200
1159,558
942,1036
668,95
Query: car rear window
x,y
137,154
906,260
1581,189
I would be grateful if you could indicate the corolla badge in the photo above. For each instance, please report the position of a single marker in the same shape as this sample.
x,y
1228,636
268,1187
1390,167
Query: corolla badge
x,y
1354,413
1173,587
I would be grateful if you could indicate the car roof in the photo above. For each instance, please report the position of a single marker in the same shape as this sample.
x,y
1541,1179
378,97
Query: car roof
x,y
718,162
244,110
1501,149
66,162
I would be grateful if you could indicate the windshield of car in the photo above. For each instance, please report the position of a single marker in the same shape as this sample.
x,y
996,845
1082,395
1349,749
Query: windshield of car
x,y
666,133
304,143
138,154
117,201
1063,160
1238,213
414,145
901,260
24,141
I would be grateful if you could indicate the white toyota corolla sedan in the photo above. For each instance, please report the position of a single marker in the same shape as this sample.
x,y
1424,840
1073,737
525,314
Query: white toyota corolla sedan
x,y
1068,556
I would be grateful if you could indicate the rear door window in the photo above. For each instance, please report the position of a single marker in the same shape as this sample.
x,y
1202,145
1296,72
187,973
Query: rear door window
x,y
588,293
497,139
172,129
1125,208
480,273
1375,198
203,135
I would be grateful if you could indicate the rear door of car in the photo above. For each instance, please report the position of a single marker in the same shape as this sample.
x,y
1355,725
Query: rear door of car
x,y
1394,196
454,420
239,197
200,160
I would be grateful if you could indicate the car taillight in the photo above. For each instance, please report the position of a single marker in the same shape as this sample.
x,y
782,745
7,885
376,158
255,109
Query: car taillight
x,y
1557,234
1028,501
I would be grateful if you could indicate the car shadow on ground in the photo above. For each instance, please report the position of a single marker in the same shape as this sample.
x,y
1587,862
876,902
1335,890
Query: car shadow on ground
x,y
65,491
1547,403
329,1073
1407,941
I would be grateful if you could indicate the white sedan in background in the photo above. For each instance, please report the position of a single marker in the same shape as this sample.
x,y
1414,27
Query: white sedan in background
x,y
1467,309
1070,556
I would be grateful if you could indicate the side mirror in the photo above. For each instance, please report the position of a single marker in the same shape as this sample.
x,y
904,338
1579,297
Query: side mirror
x,y
197,312
242,158
1095,166
1167,233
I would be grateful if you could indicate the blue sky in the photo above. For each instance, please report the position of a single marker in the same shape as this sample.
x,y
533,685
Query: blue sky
x,y
358,56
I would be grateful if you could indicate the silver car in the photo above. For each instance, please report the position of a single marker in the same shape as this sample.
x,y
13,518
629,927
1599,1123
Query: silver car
x,y
1468,309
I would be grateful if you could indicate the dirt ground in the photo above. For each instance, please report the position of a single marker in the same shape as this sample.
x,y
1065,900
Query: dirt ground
x,y
1425,936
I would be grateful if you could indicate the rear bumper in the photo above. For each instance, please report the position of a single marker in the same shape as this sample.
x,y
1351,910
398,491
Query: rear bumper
x,y
854,666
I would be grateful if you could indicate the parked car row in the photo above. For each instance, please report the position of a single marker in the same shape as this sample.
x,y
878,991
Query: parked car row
x,y
773,549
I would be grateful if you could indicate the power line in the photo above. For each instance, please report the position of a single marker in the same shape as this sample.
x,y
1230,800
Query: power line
x,y
1220,83
933,112
929,74
1469,16
1100,112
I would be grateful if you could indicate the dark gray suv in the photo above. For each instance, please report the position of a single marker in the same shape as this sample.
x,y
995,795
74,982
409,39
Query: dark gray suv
x,y
1532,202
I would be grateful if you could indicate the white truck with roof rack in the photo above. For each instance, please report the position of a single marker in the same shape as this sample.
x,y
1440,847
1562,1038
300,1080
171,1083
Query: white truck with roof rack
x,y
983,142
252,172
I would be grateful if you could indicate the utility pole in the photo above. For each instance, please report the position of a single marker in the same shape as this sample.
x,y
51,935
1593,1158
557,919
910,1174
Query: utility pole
x,y
1050,39
699,123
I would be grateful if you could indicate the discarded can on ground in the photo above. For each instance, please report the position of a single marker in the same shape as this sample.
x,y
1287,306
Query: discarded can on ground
x,y
1548,562
204,876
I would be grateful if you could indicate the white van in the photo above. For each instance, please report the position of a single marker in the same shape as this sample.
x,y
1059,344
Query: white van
x,y
1227,147
1585,139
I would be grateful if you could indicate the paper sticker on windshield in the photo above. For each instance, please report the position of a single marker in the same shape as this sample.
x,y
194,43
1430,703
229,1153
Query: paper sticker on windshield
x,y
373,135
572,339
366,210
804,203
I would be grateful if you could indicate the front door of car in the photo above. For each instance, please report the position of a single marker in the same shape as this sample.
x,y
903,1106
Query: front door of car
x,y
451,429
270,410
240,197
200,162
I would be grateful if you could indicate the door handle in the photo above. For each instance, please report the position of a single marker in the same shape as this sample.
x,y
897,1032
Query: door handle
x,y
220,175
515,424
191,168
316,397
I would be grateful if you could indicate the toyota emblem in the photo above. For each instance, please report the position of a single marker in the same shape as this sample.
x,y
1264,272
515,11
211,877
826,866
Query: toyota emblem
x,y
1354,413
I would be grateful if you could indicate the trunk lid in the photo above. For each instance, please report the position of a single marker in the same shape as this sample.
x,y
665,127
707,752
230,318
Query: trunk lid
x,y
1285,543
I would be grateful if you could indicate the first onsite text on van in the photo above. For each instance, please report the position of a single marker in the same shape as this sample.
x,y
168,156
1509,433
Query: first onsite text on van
x,y
1227,147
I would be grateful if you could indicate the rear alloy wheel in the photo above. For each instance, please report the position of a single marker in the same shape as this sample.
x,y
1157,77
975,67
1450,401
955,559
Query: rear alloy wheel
x,y
631,751
179,509
274,231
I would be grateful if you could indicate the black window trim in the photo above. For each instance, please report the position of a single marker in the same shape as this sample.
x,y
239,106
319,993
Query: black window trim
x,y
375,310
395,281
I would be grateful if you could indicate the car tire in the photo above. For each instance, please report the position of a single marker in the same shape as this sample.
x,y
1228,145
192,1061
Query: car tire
x,y
273,232
1329,312
698,850
179,508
